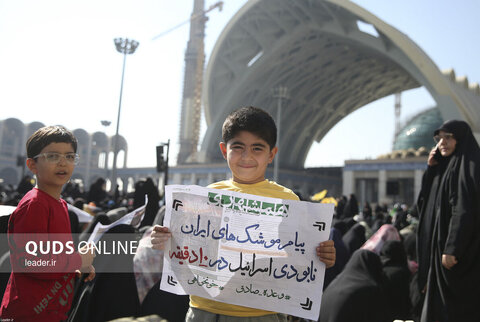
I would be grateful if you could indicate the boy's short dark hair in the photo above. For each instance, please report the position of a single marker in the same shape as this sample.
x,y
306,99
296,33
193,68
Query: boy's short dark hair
x,y
46,135
251,119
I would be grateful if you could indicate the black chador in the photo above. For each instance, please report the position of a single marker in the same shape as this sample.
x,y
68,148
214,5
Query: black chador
x,y
449,207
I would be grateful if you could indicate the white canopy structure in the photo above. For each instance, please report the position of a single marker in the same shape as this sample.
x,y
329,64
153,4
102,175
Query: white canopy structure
x,y
331,68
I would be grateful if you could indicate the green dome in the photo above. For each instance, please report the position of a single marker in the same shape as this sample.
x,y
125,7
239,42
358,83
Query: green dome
x,y
419,130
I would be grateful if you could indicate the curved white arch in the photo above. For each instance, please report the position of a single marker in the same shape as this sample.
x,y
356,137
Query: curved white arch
x,y
331,67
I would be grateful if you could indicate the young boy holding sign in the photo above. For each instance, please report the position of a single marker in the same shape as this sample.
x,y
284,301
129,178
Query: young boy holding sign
x,y
249,137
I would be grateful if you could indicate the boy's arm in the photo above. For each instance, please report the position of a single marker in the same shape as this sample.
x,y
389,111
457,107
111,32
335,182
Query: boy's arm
x,y
326,253
89,273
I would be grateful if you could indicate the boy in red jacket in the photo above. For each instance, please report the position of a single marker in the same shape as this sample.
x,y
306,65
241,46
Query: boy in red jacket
x,y
33,292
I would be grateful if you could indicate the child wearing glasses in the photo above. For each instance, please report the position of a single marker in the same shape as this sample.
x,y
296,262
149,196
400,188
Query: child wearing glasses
x,y
40,287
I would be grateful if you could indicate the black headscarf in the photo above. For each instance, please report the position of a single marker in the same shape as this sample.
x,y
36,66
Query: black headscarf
x,y
340,225
340,207
357,293
150,189
97,193
354,238
351,208
397,279
410,241
449,207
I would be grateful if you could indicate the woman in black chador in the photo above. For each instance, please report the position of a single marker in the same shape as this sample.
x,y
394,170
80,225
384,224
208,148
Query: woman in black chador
x,y
356,294
449,228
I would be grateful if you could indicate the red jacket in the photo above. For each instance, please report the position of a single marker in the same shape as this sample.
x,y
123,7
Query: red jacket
x,y
33,296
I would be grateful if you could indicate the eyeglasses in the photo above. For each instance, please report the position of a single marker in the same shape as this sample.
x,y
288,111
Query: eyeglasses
x,y
446,136
54,157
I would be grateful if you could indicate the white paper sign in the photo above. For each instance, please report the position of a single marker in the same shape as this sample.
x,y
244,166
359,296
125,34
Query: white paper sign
x,y
6,210
246,250
83,216
133,218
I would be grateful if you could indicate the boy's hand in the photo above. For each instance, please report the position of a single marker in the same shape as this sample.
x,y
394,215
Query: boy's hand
x,y
91,273
87,253
160,235
448,261
326,253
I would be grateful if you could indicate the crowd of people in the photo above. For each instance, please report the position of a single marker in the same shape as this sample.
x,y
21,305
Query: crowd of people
x,y
397,262
375,251
376,264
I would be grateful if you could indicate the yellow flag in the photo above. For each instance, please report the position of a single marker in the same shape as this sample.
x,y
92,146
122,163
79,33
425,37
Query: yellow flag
x,y
329,200
319,195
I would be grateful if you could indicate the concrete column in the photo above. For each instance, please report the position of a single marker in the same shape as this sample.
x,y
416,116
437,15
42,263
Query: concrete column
x,y
193,178
362,193
382,186
125,150
21,147
417,183
89,161
209,178
107,154
305,190
348,183
125,184
177,178
2,127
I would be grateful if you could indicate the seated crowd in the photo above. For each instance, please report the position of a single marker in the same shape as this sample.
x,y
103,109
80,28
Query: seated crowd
x,y
373,278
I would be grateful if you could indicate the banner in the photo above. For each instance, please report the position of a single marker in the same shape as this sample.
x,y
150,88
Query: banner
x,y
133,218
246,250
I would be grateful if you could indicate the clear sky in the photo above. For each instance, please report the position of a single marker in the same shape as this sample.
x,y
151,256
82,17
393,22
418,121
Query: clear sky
x,y
58,65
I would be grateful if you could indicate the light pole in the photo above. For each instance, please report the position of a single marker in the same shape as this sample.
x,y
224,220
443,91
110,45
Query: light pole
x,y
281,94
126,47
162,162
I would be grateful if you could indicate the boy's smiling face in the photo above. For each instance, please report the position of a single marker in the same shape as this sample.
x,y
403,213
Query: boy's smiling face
x,y
52,176
247,156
